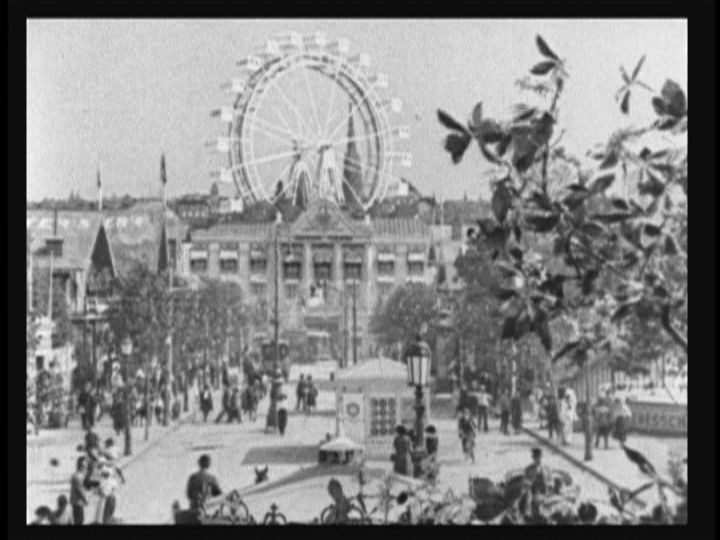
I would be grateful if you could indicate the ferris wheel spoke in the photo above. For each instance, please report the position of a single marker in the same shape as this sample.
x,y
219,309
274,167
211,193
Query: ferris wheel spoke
x,y
277,130
300,121
354,107
313,105
284,122
266,159
331,115
361,138
287,140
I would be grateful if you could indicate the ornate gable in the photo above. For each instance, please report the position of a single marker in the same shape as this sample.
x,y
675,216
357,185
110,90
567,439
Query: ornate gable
x,y
324,219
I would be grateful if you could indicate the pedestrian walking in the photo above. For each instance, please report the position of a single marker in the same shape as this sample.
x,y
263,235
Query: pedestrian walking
x,y
78,498
202,485
206,402
312,394
603,421
86,406
282,417
235,406
226,405
516,412
504,403
566,418
483,404
552,416
467,430
621,419
402,446
300,393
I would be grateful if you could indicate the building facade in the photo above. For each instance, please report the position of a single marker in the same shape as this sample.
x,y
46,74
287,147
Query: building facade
x,y
332,271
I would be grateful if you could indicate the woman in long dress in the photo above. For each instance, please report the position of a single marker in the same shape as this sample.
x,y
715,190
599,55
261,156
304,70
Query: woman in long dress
x,y
566,420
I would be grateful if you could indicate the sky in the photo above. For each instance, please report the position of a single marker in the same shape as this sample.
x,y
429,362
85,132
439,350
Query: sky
x,y
115,94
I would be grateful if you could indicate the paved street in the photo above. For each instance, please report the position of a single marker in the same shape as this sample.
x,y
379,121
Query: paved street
x,y
157,473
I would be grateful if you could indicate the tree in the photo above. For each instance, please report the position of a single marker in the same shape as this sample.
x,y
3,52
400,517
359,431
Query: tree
x,y
614,251
141,311
400,317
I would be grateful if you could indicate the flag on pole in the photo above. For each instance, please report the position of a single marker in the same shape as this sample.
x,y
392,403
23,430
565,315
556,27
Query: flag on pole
x,y
163,175
99,186
99,182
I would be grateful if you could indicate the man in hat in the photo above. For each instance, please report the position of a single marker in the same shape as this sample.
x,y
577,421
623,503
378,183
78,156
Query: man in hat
x,y
202,484
402,446
466,432
483,404
78,500
537,475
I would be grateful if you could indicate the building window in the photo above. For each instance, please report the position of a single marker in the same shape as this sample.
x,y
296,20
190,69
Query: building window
x,y
258,290
386,268
416,268
291,291
353,271
323,271
292,270
228,266
258,266
198,265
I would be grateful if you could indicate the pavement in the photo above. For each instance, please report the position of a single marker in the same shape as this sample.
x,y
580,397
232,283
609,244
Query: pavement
x,y
157,473
45,481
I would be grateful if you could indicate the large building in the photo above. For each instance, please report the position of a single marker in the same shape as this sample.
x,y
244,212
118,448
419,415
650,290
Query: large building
x,y
333,270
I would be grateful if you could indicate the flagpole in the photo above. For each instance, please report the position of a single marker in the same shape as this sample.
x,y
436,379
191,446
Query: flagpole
x,y
100,194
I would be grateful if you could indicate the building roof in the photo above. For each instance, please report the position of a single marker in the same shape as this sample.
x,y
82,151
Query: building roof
x,y
78,229
135,234
402,227
375,368
234,229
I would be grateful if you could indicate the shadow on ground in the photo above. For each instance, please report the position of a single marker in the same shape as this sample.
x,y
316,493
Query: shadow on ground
x,y
266,455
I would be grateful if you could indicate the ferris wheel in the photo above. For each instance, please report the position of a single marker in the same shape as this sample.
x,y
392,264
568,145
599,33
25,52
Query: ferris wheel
x,y
310,121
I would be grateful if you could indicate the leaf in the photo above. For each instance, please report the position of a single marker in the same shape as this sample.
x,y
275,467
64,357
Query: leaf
x,y
660,106
601,183
501,201
523,112
675,98
567,349
625,105
518,232
543,68
636,71
651,230
508,328
609,161
542,222
516,254
477,114
505,294
450,123
612,217
508,269
670,246
502,146
541,200
543,332
622,312
625,77
593,229
620,204
544,49
457,145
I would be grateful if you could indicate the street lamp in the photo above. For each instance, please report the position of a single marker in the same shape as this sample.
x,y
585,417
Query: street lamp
x,y
417,359
126,347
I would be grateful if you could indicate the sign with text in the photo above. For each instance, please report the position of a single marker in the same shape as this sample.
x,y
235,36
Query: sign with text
x,y
658,418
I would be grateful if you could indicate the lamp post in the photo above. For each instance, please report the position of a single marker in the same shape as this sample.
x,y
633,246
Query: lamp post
x,y
417,359
276,385
126,347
